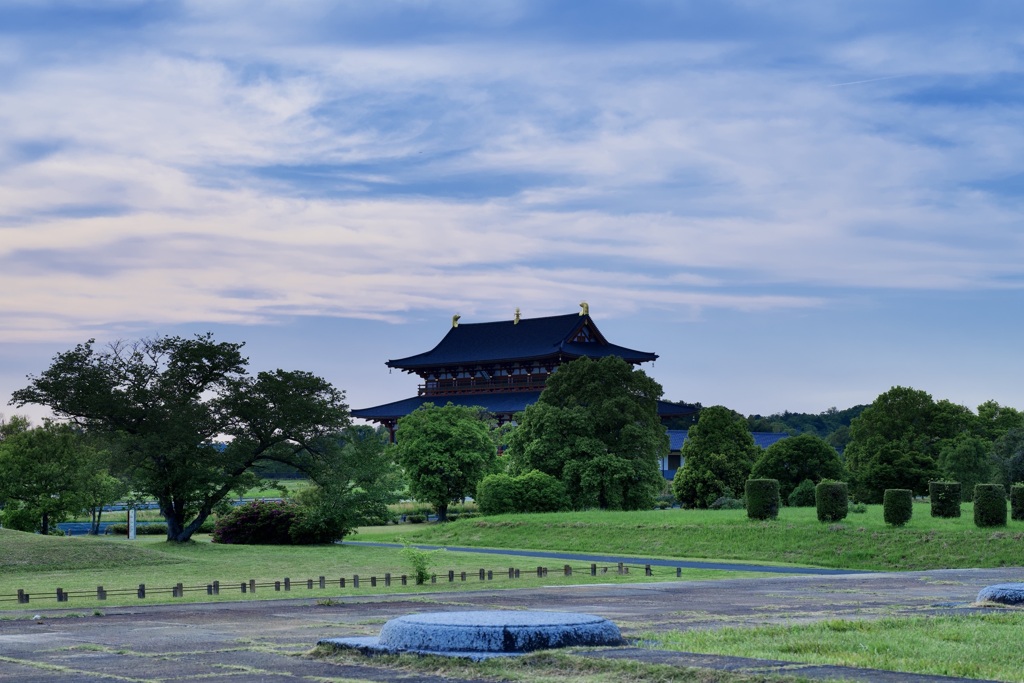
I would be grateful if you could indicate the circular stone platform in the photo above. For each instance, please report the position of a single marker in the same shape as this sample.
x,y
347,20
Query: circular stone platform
x,y
483,634
1004,593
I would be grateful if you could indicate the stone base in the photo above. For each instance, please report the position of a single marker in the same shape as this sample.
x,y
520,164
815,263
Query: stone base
x,y
484,634
1003,593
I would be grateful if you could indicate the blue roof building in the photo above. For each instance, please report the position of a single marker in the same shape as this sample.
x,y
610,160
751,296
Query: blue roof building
x,y
503,366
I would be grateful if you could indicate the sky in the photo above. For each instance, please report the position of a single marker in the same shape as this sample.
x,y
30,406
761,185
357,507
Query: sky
x,y
797,204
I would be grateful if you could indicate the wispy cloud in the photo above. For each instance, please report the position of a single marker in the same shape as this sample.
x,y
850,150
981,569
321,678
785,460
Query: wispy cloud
x,y
236,165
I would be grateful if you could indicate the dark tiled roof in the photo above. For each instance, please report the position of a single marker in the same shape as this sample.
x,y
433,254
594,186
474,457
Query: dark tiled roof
x,y
503,403
511,402
676,437
531,338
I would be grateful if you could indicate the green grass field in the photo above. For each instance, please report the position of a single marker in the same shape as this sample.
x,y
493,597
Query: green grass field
x,y
861,541
970,646
41,564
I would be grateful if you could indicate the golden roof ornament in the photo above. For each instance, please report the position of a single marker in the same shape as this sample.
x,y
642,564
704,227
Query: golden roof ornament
x,y
586,308
515,320
455,320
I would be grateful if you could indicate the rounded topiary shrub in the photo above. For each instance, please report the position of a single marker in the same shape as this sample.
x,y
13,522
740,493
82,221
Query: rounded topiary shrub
x,y
540,492
897,506
945,497
989,505
803,495
832,500
260,522
763,499
495,494
1017,502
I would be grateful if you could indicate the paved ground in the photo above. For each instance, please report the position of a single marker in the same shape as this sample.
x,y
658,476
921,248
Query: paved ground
x,y
264,641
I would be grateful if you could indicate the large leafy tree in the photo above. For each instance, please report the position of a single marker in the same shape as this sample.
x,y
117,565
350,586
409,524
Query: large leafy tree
x,y
445,452
595,427
718,455
794,459
45,475
896,440
164,403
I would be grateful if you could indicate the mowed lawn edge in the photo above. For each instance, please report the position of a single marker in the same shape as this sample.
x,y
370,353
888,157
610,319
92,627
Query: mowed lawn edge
x,y
39,565
797,538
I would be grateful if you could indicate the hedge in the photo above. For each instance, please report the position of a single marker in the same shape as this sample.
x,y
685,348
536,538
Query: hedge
x,y
832,500
945,497
763,499
803,495
1017,502
897,506
989,505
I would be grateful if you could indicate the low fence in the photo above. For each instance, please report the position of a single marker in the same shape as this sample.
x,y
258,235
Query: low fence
x,y
354,583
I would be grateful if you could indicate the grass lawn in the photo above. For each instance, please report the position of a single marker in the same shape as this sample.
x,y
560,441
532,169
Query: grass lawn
x,y
970,646
861,541
40,564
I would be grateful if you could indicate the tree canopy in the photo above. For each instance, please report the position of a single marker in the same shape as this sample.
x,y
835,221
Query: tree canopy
x,y
718,455
794,459
46,473
445,452
596,428
895,443
186,421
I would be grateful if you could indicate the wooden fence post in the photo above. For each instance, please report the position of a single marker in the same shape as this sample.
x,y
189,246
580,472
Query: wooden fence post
x,y
679,572
216,587
355,580
323,582
252,585
490,574
567,570
142,591
387,579
593,570
22,596
647,570
309,584
287,584
405,579
277,586
373,581
100,593
244,586
451,575
341,582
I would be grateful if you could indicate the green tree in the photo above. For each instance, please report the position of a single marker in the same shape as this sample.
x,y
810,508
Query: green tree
x,y
994,420
1008,457
596,428
794,459
968,460
43,472
161,403
445,452
718,455
893,443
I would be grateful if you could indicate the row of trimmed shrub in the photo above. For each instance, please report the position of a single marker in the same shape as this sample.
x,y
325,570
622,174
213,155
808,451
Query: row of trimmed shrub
x,y
833,503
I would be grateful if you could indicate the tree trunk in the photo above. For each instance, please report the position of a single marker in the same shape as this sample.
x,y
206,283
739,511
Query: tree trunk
x,y
442,512
44,528
97,515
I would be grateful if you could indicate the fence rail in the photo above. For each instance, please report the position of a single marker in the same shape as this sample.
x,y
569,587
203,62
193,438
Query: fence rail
x,y
355,582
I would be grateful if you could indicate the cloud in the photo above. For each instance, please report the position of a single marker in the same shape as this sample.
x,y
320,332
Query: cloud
x,y
226,165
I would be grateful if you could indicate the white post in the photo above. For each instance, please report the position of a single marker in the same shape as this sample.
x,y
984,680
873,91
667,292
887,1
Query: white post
x,y
131,524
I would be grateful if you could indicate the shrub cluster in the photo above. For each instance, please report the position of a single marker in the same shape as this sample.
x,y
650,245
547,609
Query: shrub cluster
x,y
989,505
1017,502
763,499
534,491
945,497
803,495
262,522
897,506
155,528
832,500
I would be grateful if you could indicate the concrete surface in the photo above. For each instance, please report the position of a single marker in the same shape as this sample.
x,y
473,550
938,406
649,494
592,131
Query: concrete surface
x,y
264,641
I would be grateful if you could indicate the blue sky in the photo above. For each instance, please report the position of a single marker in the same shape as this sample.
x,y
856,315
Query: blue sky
x,y
796,204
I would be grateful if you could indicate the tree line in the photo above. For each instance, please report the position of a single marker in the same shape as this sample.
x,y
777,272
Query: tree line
x,y
182,422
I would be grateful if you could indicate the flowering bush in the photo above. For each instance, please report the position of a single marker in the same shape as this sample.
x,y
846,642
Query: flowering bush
x,y
260,522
